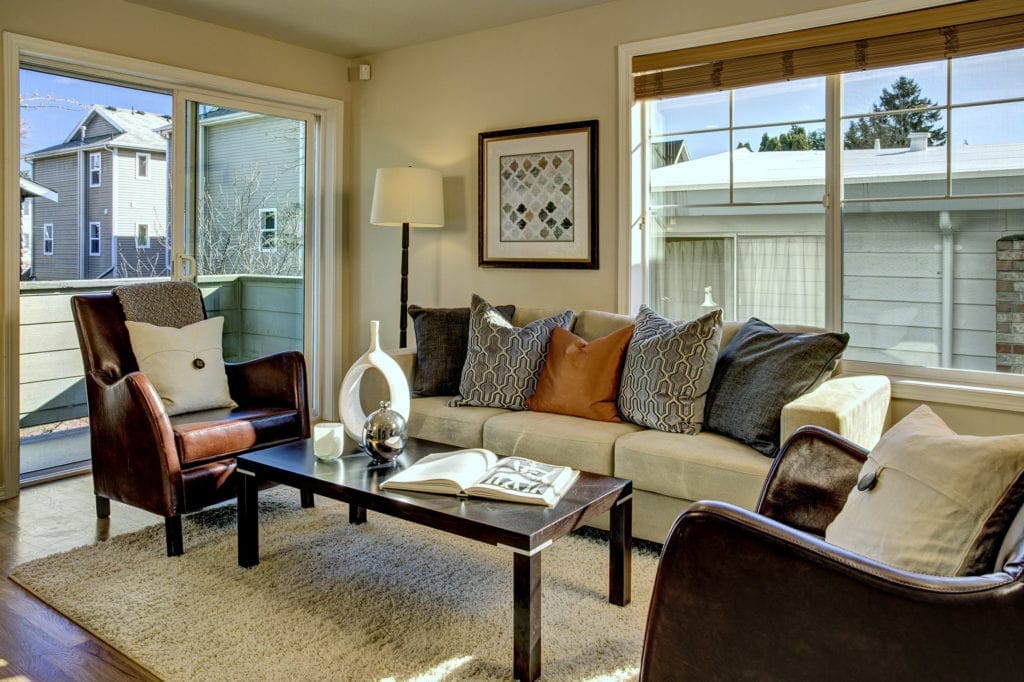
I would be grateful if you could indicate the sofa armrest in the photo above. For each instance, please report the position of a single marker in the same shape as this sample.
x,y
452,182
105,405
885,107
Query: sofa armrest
x,y
855,407
374,389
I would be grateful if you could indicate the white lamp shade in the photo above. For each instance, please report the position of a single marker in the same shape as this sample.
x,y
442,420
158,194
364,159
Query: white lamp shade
x,y
407,195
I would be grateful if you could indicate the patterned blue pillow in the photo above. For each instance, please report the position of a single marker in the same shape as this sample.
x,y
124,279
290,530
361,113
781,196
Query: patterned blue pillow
x,y
503,361
668,371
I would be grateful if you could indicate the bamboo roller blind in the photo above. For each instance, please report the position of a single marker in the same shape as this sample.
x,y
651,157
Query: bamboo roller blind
x,y
953,30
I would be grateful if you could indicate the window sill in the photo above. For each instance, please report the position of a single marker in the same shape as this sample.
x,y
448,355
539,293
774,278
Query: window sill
x,y
968,395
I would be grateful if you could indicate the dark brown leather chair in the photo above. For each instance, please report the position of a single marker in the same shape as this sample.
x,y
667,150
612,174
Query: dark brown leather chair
x,y
761,596
176,465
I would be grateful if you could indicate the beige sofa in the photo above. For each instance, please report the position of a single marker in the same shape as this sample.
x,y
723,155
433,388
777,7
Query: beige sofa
x,y
669,471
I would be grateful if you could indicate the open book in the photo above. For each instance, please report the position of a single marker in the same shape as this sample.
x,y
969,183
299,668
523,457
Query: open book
x,y
480,473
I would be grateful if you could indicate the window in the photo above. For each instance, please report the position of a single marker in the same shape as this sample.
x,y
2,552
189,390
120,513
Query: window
x,y
268,230
142,236
141,165
48,239
902,185
94,169
94,239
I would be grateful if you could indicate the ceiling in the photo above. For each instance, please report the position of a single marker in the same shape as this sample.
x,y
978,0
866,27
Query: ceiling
x,y
355,28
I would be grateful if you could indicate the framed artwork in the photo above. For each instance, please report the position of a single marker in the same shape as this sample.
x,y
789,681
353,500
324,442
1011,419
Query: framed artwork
x,y
538,197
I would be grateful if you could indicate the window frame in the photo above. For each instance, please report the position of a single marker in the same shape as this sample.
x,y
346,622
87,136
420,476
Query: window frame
x,y
952,386
263,213
95,241
138,244
97,170
139,156
50,239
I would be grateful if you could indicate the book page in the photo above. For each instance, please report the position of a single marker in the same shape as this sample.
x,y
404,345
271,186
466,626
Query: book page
x,y
448,472
524,479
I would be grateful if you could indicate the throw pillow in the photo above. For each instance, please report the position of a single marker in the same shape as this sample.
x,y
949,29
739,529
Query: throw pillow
x,y
441,338
185,366
582,379
931,501
758,372
503,361
668,370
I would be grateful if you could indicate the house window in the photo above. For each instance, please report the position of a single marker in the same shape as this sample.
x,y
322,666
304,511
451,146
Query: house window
x,y
94,169
142,236
902,185
94,239
268,229
141,165
48,239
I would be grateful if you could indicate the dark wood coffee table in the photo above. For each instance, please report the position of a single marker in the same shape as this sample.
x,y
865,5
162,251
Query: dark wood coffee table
x,y
525,530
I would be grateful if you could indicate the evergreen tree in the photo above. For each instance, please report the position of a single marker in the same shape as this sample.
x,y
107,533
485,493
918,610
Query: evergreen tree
x,y
893,130
796,139
744,145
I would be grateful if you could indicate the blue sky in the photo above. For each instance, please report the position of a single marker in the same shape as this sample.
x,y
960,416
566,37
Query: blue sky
x,y
49,125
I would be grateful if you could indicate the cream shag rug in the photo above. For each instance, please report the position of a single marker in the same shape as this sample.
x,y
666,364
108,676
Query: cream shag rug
x,y
332,601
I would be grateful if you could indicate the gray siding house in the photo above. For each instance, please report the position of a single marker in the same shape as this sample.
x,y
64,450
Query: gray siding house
x,y
111,219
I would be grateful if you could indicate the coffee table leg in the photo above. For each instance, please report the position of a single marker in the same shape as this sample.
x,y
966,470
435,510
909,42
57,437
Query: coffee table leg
x,y
356,514
526,616
620,546
248,520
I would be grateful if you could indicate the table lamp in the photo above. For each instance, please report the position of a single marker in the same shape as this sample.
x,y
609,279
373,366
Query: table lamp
x,y
409,197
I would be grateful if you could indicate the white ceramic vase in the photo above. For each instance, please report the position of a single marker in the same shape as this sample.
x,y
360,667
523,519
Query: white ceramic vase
x,y
352,414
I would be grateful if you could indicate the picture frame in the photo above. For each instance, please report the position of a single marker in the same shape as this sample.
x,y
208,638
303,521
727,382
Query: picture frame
x,y
538,197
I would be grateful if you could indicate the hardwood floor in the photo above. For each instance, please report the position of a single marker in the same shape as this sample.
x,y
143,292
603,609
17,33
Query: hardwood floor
x,y
36,642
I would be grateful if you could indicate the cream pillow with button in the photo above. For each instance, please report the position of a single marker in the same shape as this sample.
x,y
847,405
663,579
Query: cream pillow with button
x,y
931,501
185,366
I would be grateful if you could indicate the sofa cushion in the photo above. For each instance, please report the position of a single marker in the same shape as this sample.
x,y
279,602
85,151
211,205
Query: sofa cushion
x,y
441,338
930,501
185,365
593,324
434,419
760,371
214,434
581,378
668,370
503,361
556,439
703,466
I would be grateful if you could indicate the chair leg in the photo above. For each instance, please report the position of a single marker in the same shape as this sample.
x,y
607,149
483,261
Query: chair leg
x,y
172,527
305,498
102,507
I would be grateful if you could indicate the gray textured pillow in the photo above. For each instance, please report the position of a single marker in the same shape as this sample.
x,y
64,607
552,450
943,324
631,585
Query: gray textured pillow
x,y
441,338
668,370
503,361
760,371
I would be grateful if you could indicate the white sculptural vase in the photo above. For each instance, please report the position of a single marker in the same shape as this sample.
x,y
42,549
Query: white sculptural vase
x,y
352,414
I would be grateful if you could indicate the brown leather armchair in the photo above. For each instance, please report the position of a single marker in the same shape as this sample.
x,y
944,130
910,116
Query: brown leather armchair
x,y
761,596
176,465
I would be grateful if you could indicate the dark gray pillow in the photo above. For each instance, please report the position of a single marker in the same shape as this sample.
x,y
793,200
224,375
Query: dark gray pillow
x,y
760,371
441,338
503,361
668,370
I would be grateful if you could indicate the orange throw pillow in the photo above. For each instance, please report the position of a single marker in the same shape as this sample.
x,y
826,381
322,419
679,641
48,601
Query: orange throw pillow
x,y
582,379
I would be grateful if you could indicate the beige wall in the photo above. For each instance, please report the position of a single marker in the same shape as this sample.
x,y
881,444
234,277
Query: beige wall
x,y
121,28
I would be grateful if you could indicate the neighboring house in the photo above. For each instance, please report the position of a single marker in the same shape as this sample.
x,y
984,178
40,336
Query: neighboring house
x,y
894,252
29,192
111,219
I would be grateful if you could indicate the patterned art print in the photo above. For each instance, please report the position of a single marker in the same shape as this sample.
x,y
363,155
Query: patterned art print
x,y
536,195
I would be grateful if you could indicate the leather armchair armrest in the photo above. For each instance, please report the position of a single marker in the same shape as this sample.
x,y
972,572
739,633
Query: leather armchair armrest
x,y
855,407
274,380
134,458
741,597
810,479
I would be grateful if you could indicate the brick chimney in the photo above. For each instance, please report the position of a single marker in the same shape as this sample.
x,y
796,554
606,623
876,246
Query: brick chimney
x,y
1010,304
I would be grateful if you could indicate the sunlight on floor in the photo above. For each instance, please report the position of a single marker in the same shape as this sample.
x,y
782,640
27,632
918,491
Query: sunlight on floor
x,y
437,673
16,678
619,675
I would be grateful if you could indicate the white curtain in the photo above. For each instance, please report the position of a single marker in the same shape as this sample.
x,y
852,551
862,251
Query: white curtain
x,y
688,266
781,279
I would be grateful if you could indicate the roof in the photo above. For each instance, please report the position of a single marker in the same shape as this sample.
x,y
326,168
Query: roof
x,y
30,188
135,130
792,168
